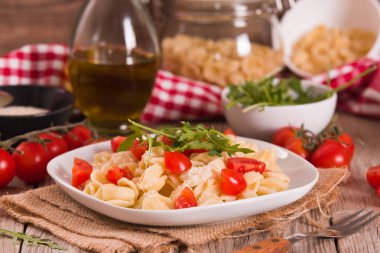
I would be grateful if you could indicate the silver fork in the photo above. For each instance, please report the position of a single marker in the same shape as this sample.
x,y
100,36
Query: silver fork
x,y
346,226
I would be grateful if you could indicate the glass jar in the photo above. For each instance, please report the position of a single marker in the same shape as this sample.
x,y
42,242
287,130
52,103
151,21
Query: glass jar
x,y
222,41
113,62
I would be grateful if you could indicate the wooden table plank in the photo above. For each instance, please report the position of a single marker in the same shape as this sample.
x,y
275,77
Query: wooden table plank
x,y
356,193
299,225
43,249
6,222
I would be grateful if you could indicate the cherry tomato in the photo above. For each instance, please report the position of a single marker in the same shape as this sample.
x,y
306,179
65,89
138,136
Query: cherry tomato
x,y
233,183
373,176
186,199
167,141
81,172
296,145
78,137
331,153
188,152
7,168
347,140
116,141
283,135
243,165
229,131
138,149
176,162
31,159
56,145
113,175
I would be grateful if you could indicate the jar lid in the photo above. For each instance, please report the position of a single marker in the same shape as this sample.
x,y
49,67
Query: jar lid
x,y
216,10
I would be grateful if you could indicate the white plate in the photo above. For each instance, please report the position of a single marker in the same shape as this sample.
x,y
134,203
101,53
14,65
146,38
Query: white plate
x,y
303,177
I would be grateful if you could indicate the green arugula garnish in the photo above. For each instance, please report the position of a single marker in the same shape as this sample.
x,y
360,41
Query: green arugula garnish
x,y
289,91
268,93
30,239
183,138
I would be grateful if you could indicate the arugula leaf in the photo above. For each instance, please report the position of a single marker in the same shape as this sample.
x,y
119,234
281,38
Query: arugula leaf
x,y
30,239
184,138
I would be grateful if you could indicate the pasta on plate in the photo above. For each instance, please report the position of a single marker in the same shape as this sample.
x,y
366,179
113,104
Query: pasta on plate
x,y
146,183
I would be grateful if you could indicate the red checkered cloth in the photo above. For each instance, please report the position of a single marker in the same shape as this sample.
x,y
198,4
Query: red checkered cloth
x,y
179,98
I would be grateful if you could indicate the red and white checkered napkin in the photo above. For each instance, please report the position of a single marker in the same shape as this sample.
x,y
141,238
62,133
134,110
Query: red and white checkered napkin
x,y
41,64
174,97
363,97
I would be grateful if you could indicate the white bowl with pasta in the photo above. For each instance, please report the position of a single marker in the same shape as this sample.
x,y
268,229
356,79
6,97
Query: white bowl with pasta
x,y
300,177
342,15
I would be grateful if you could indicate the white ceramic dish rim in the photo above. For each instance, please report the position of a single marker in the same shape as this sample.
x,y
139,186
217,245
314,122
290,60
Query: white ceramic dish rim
x,y
308,83
282,153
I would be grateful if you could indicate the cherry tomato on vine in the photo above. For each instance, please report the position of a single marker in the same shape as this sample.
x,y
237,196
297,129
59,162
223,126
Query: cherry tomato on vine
x,y
186,199
330,154
7,168
116,141
244,165
373,176
233,183
176,162
116,173
347,140
78,137
55,144
284,135
81,172
31,159
296,145
138,149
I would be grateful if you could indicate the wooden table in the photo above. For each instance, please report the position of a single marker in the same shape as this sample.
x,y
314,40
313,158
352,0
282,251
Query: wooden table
x,y
355,194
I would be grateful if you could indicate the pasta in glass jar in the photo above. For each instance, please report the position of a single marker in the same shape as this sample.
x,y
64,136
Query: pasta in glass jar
x,y
221,42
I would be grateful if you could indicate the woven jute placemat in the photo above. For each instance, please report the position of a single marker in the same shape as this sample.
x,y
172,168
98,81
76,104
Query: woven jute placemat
x,y
51,209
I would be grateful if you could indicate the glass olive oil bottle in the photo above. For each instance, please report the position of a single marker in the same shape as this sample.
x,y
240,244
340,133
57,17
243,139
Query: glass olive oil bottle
x,y
113,63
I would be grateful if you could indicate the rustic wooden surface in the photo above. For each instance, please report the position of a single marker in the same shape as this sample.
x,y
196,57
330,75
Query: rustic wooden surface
x,y
355,194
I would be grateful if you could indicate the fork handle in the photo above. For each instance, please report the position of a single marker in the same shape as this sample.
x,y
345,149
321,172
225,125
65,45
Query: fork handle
x,y
273,245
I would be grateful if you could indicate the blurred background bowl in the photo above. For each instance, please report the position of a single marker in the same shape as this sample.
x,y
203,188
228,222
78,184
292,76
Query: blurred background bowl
x,y
343,14
57,101
261,123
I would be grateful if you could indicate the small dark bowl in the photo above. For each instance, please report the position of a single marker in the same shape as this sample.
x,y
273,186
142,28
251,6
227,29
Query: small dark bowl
x,y
58,101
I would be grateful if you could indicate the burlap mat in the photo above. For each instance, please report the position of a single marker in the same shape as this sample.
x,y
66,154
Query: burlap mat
x,y
51,209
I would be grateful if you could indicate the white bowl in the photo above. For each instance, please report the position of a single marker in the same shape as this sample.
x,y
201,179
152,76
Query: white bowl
x,y
261,123
344,14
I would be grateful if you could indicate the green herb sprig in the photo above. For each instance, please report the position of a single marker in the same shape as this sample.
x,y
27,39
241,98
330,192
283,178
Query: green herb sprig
x,y
184,137
30,239
289,91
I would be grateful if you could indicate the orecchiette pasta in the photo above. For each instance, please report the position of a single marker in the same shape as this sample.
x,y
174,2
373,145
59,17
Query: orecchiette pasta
x,y
152,186
219,62
324,48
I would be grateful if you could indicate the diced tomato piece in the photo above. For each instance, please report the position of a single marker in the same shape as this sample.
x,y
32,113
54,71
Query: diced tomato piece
x,y
188,152
167,141
115,174
186,199
243,165
138,149
176,162
373,176
233,183
81,172
229,131
116,141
